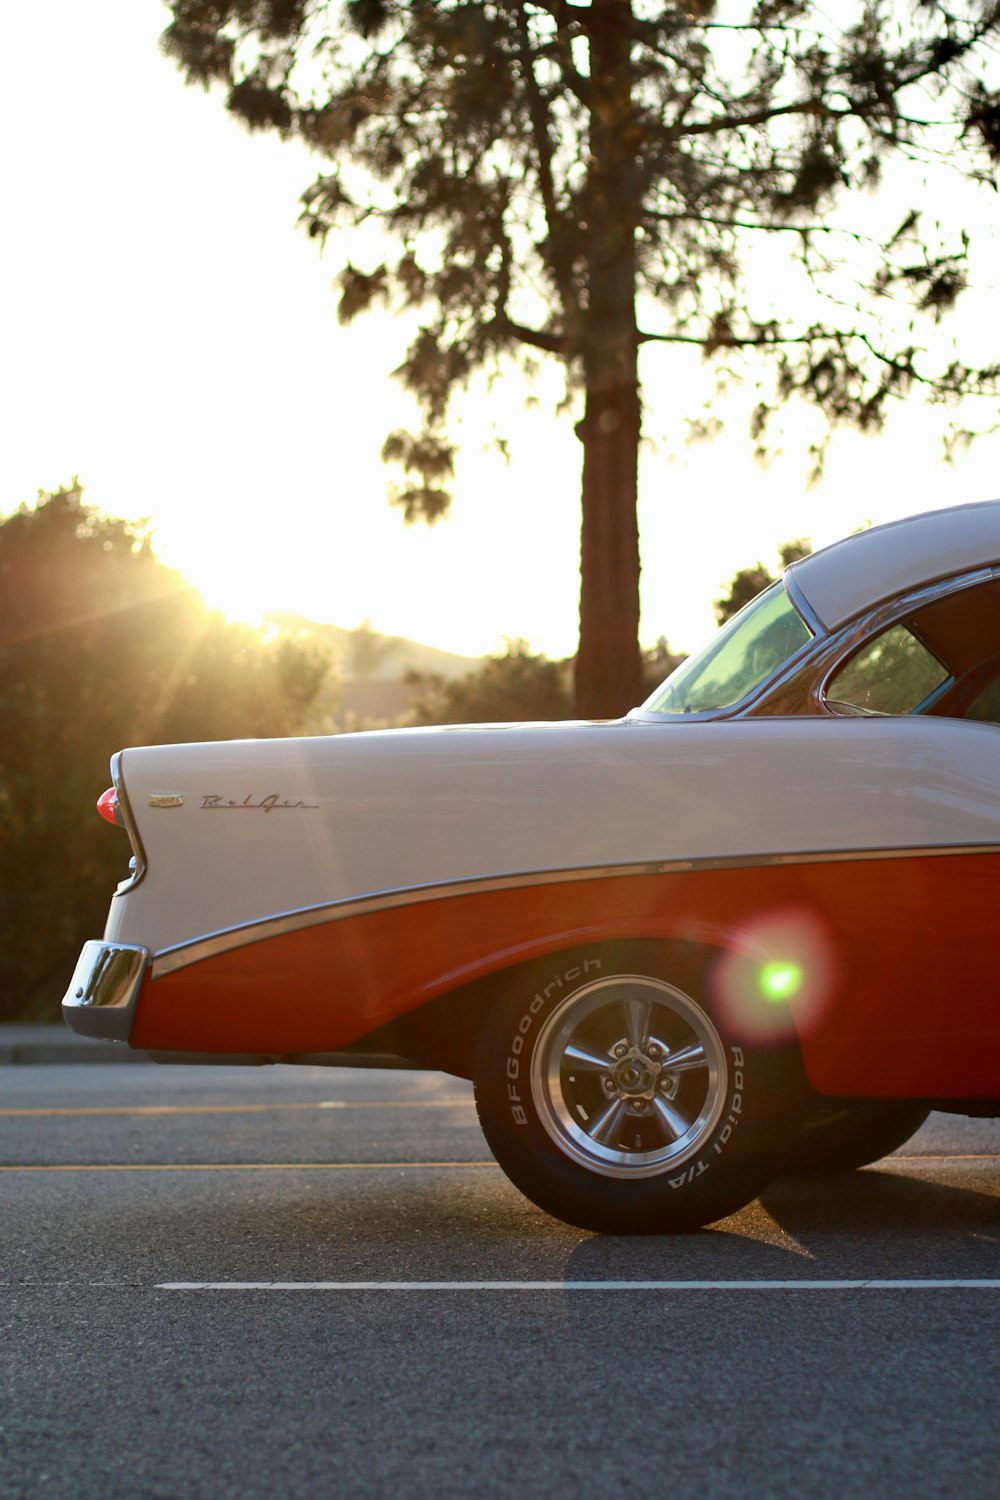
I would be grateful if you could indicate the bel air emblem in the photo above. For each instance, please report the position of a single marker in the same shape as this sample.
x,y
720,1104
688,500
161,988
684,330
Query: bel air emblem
x,y
273,802
166,799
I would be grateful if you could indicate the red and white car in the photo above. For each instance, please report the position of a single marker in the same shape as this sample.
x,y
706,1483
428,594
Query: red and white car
x,y
749,928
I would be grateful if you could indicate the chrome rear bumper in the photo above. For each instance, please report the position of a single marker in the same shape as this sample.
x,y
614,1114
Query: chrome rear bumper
x,y
103,992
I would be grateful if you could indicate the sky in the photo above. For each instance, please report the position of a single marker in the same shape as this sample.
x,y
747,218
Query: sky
x,y
170,336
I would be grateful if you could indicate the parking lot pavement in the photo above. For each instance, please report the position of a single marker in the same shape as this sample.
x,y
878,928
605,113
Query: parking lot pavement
x,y
228,1282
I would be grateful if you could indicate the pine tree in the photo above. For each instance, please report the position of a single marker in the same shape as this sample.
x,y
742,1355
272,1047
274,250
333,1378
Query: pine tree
x,y
583,179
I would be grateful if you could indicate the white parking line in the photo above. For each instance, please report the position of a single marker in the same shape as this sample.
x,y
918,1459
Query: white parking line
x,y
247,1166
870,1284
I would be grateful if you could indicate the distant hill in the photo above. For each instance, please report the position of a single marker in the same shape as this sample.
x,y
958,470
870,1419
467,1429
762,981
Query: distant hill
x,y
367,689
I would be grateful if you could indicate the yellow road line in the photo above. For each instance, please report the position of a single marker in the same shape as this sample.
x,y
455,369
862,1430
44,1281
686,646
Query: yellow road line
x,y
230,1109
252,1166
929,1156
357,1166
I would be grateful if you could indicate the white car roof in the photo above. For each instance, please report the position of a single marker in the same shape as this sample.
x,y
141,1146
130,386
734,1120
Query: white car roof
x,y
860,571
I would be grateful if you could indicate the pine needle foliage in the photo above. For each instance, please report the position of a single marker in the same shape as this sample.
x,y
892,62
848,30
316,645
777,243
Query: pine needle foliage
x,y
582,178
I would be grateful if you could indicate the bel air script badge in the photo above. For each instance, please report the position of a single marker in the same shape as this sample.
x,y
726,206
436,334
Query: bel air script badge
x,y
273,802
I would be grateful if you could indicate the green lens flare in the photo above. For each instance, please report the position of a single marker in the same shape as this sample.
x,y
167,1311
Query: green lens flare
x,y
779,981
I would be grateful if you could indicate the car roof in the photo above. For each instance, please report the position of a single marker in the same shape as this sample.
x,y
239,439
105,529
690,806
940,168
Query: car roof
x,y
859,572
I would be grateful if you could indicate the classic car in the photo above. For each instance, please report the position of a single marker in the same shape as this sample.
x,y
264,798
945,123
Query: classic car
x,y
750,928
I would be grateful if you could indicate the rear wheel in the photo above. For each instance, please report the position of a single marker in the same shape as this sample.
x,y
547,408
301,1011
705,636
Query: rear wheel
x,y
614,1098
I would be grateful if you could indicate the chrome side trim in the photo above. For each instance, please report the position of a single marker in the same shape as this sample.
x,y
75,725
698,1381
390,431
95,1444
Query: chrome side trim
x,y
799,684
802,604
802,690
744,707
844,643
103,992
169,960
130,826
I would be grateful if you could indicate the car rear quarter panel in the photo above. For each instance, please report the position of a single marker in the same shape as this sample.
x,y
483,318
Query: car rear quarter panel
x,y
885,1004
393,869
262,828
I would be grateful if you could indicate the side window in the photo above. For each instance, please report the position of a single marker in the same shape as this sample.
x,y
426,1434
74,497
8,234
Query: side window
x,y
893,674
986,706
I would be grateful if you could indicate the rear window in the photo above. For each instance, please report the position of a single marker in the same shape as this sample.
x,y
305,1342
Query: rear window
x,y
747,649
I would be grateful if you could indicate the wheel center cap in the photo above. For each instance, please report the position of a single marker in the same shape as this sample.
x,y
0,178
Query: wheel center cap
x,y
635,1075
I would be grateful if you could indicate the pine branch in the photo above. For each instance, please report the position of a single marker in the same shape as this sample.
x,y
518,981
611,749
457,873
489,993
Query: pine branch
x,y
551,343
558,261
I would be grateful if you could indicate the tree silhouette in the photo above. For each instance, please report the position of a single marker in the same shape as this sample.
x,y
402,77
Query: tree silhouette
x,y
517,684
749,582
101,646
580,180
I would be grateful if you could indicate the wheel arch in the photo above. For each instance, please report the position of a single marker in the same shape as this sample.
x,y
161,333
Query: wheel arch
x,y
444,1032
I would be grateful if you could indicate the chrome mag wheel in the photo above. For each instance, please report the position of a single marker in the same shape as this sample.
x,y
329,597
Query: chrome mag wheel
x,y
615,1096
629,1077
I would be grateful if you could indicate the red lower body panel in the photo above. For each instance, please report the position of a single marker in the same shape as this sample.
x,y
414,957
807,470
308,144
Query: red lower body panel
x,y
887,968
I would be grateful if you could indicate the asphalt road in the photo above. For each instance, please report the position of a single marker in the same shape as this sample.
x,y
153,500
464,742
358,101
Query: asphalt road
x,y
135,1361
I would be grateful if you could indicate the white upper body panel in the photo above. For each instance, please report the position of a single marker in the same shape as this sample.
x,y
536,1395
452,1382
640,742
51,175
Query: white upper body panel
x,y
857,573
276,826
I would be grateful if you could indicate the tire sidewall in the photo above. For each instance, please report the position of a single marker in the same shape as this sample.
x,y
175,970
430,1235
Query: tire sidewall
x,y
722,1169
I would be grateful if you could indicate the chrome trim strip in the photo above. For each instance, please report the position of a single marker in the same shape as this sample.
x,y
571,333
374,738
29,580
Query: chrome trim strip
x,y
850,638
130,825
761,691
801,603
169,960
102,995
816,661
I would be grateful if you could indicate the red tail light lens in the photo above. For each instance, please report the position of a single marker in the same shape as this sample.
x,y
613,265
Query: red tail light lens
x,y
107,806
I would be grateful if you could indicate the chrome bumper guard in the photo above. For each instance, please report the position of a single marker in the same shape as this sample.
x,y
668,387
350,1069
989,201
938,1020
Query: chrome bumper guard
x,y
103,992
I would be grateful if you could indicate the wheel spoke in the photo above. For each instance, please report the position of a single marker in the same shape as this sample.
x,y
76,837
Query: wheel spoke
x,y
637,1022
673,1122
605,1128
629,1076
685,1059
587,1057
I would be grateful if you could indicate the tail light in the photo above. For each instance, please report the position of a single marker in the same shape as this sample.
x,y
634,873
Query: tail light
x,y
107,806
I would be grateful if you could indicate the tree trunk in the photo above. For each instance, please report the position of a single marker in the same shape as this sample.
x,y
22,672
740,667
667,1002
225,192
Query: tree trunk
x,y
608,664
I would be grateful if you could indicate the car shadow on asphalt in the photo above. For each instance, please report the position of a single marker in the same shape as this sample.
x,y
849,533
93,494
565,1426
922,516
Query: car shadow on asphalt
x,y
873,1223
884,1199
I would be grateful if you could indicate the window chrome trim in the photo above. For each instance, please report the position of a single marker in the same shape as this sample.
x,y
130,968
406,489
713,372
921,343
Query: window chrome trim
x,y
182,955
742,706
788,668
802,604
847,641
818,658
